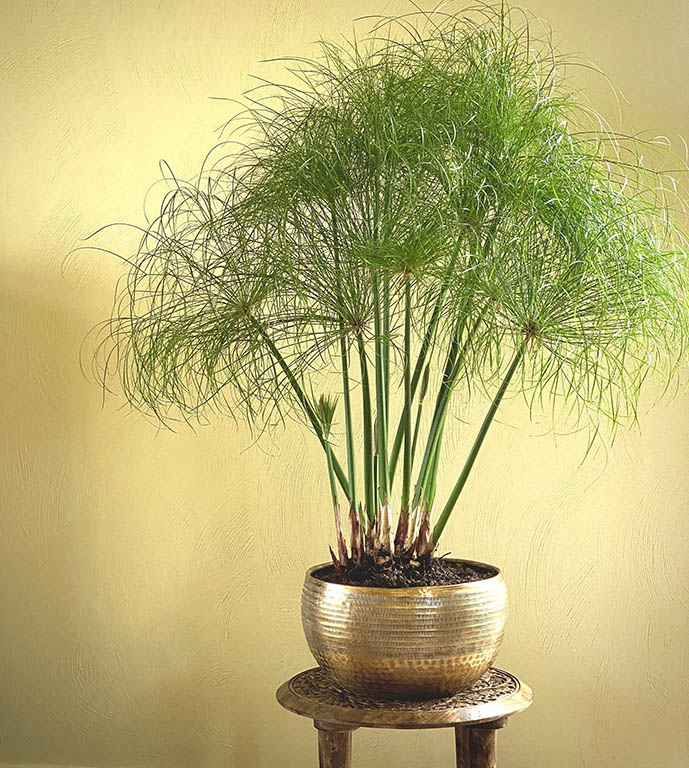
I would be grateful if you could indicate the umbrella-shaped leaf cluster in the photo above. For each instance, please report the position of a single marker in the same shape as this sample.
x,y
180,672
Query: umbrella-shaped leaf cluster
x,y
421,205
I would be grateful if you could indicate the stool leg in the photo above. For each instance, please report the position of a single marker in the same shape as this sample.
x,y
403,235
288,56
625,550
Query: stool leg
x,y
482,748
462,747
334,747
475,744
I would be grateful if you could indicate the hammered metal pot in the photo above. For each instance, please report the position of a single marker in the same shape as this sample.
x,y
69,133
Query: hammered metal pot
x,y
409,643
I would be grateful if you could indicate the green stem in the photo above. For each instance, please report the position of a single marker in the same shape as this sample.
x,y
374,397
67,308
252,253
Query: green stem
x,y
381,406
305,404
386,352
428,484
429,490
418,368
344,356
419,411
476,447
331,472
351,459
453,367
441,398
406,414
369,487
427,481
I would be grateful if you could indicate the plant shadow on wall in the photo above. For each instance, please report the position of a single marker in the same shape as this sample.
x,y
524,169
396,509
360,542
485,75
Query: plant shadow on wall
x,y
418,212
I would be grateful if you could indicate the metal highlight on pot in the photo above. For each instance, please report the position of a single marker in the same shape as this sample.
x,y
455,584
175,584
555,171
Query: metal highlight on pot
x,y
409,643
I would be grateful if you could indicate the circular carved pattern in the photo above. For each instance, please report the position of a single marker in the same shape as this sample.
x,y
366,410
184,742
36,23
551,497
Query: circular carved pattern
x,y
317,685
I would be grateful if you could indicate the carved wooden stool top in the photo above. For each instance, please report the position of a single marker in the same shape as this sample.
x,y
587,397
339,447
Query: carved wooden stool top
x,y
497,695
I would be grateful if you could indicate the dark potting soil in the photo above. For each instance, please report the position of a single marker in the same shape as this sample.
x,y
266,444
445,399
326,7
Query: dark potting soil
x,y
396,573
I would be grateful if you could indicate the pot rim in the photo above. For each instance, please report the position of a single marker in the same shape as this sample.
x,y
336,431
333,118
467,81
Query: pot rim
x,y
495,579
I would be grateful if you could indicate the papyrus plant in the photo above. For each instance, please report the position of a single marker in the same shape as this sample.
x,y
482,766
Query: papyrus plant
x,y
414,213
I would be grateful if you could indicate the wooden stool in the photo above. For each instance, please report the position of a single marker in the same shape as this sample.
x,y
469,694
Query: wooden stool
x,y
475,714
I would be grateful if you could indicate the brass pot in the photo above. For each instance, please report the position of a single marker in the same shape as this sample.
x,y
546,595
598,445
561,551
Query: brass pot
x,y
409,643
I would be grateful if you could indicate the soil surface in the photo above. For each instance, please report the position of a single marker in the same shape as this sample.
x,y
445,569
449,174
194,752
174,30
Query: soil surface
x,y
397,573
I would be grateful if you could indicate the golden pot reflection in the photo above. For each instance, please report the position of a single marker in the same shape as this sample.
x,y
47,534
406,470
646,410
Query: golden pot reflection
x,y
409,643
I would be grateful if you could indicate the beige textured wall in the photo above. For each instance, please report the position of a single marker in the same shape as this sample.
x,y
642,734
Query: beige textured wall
x,y
149,581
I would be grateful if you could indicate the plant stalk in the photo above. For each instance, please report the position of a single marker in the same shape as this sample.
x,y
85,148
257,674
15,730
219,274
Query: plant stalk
x,y
406,414
418,368
344,355
305,404
341,546
381,405
404,516
476,447
386,359
369,480
441,399
349,430
419,412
